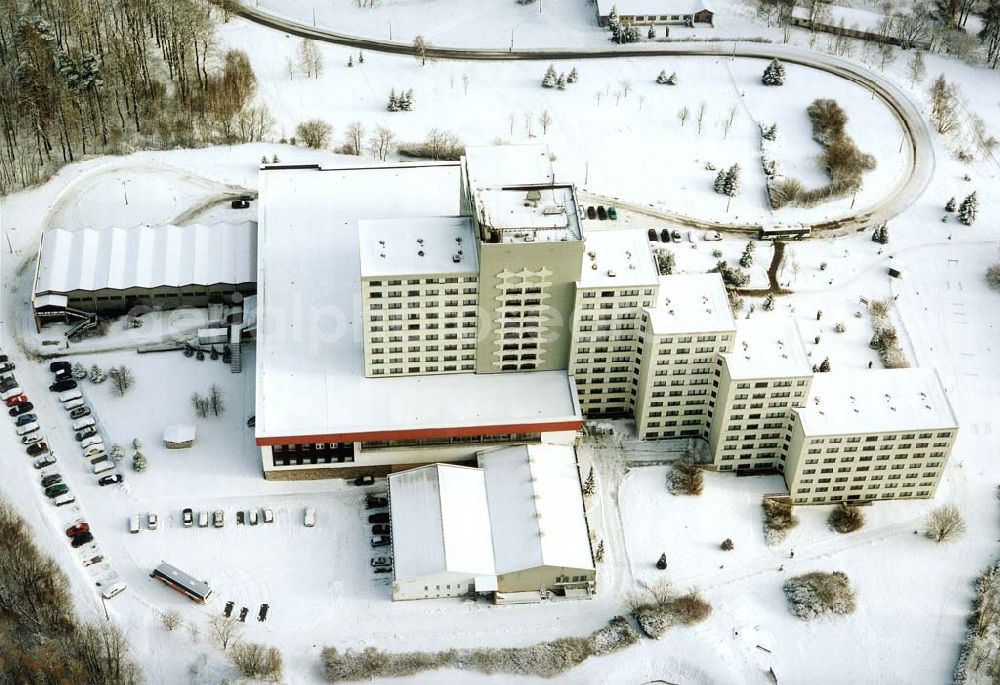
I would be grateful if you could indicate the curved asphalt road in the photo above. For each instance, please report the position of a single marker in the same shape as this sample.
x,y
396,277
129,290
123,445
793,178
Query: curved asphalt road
x,y
917,144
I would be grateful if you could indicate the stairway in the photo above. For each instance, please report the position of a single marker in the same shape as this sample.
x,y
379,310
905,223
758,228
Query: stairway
x,y
235,363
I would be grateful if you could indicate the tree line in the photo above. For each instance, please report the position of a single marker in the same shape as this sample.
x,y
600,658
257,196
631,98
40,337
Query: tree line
x,y
83,78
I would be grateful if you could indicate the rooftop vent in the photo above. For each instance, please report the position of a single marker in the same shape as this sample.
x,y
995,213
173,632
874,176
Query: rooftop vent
x,y
611,273
420,253
550,210
592,254
458,240
594,266
456,258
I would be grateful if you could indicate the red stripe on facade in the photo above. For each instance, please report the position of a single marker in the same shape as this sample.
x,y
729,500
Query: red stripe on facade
x,y
423,433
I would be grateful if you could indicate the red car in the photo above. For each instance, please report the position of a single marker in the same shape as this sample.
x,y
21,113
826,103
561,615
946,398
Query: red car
x,y
16,399
78,529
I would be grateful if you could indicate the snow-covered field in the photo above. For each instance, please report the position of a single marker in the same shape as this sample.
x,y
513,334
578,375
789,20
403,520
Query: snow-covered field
x,y
912,595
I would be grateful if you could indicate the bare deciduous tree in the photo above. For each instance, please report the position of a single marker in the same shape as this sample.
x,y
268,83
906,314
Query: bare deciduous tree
x,y
545,120
700,116
682,115
257,661
310,60
380,142
224,630
170,620
944,524
421,47
121,379
354,136
315,133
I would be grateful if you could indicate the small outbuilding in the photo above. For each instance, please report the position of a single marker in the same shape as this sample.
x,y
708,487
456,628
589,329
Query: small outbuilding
x,y
656,12
179,436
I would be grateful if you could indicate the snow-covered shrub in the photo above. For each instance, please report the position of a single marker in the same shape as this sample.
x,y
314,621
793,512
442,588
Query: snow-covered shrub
x,y
614,637
97,374
668,609
139,462
732,277
944,524
769,303
79,371
778,520
846,519
820,593
170,620
993,275
117,453
665,261
255,660
840,327
727,545
685,478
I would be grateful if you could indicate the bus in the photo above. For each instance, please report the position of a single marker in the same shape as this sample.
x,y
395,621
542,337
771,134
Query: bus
x,y
176,579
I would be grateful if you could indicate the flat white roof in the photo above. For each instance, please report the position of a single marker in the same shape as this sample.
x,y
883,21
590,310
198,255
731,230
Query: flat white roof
x,y
632,8
440,522
768,347
617,258
494,166
146,257
536,508
551,217
428,245
310,366
876,401
689,303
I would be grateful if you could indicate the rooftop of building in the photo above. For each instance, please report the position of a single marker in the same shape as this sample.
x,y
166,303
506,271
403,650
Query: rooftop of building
x,y
426,245
634,8
617,258
768,347
528,214
496,166
310,362
690,303
876,401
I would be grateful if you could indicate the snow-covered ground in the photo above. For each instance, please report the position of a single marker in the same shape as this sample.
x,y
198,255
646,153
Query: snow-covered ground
x,y
913,596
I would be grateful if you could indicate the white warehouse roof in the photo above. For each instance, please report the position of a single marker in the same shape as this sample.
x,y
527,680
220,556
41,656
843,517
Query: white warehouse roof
x,y
876,401
536,508
146,257
440,522
428,245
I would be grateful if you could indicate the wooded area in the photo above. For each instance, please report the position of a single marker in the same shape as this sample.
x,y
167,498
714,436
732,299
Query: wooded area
x,y
81,78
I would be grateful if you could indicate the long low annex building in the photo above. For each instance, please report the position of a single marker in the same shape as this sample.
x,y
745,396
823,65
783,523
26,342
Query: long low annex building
x,y
110,271
515,527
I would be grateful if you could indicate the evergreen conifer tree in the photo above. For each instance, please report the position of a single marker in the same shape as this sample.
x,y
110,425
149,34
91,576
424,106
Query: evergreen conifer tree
x,y
774,74
968,209
732,184
573,77
720,181
662,77
950,205
549,80
561,82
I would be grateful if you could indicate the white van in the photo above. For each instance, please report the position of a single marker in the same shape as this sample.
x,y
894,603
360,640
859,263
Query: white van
x,y
73,394
203,519
61,500
28,428
86,421
133,524
102,466
113,589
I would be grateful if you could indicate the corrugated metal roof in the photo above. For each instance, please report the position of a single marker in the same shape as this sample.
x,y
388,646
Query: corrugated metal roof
x,y
147,257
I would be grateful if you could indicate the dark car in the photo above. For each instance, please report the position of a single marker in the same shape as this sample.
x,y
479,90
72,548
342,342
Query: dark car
x,y
380,541
51,480
63,385
25,419
383,569
55,366
78,529
602,213
381,517
79,412
364,480
187,517
36,449
19,409
376,503
81,540
380,529
612,213
63,374
110,480
591,212
86,433
56,490
6,366
3,358
7,383
239,204
652,235
381,561
665,235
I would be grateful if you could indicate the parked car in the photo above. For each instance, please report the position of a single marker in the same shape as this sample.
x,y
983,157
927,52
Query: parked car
x,y
73,404
42,462
22,408
63,500
55,366
82,527
380,541
381,517
51,479
382,561
268,515
70,395
380,529
13,392
187,518
24,419
239,204
152,521
602,213
101,465
203,519
86,433
93,452
612,213
36,448
383,569
133,524
63,385
591,212
712,236
253,518
79,412
113,479
94,440
651,233
63,374
27,428
665,235
364,480
309,518
218,518
676,235
376,503
113,590
85,422
15,400
56,490
31,438
6,366
3,358
93,560
81,540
